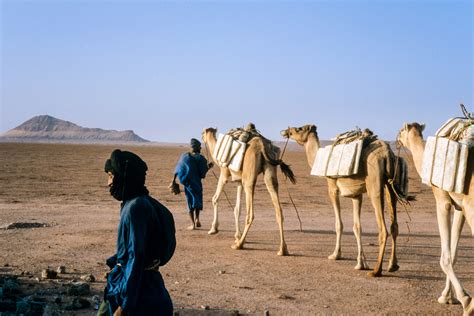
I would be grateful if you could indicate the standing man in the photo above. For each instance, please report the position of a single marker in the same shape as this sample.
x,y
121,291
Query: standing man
x,y
191,168
146,240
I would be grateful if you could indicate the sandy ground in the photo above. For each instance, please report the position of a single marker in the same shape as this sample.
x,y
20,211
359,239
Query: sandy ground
x,y
65,187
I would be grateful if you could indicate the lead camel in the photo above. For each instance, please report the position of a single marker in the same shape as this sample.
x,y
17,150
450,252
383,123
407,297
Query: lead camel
x,y
261,156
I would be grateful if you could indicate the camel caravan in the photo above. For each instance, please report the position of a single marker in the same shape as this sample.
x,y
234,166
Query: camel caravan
x,y
357,162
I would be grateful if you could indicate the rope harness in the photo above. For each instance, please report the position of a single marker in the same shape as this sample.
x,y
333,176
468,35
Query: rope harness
x,y
288,190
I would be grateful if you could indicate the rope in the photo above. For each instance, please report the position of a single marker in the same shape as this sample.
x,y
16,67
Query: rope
x,y
292,202
288,190
403,202
284,148
468,115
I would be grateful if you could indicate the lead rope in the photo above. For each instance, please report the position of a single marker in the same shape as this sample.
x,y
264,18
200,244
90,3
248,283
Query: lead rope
x,y
209,158
403,202
288,190
468,115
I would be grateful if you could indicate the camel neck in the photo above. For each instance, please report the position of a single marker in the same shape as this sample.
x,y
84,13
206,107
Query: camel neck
x,y
311,147
211,144
417,147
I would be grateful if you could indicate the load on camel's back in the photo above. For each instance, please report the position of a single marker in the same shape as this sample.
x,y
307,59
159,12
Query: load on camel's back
x,y
242,155
445,157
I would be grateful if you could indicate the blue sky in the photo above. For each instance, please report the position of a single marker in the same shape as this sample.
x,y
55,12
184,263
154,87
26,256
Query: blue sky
x,y
168,69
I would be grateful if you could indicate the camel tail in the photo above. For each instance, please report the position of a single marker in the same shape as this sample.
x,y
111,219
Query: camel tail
x,y
397,179
390,195
266,146
287,171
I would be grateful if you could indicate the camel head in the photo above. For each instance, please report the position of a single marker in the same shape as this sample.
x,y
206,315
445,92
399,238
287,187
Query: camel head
x,y
208,133
409,130
299,134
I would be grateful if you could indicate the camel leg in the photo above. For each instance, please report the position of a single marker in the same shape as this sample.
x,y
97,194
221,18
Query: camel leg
x,y
249,192
271,181
237,211
443,208
334,197
448,296
361,262
468,212
375,192
468,208
220,187
393,263
469,311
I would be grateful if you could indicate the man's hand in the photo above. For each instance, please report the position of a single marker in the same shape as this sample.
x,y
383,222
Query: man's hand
x,y
174,188
119,312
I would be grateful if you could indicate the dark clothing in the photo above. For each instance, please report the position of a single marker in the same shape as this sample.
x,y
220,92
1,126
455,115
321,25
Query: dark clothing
x,y
129,172
193,198
191,168
138,290
195,145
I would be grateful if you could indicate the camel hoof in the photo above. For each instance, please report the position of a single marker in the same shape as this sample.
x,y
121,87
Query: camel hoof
x,y
393,268
236,246
283,253
213,231
467,302
334,256
373,274
469,310
361,266
448,300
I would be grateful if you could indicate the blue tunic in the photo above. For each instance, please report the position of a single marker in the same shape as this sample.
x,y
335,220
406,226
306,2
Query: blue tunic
x,y
130,284
191,168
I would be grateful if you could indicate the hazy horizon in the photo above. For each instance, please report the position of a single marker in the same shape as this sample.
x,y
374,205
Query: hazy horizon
x,y
168,69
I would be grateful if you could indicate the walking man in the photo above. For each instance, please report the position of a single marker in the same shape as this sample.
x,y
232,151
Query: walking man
x,y
190,170
146,240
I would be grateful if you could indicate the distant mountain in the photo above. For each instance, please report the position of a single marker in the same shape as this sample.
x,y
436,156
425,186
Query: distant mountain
x,y
45,128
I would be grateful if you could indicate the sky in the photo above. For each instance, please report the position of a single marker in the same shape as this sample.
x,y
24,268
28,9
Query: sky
x,y
169,69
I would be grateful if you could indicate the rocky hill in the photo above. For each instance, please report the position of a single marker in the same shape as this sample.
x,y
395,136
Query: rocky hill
x,y
45,128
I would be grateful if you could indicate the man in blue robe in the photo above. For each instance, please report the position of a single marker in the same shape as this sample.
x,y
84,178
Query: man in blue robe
x,y
190,169
145,241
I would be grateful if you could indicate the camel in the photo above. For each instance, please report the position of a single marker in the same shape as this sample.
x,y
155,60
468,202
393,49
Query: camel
x,y
260,157
377,167
411,137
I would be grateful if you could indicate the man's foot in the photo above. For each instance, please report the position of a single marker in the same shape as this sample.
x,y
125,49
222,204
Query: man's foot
x,y
198,223
191,227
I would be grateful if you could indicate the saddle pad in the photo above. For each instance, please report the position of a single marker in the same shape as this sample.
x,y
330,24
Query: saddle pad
x,y
444,164
445,130
229,152
458,129
338,161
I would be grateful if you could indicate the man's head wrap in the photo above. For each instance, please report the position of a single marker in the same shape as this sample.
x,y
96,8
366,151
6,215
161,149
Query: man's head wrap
x,y
129,172
195,145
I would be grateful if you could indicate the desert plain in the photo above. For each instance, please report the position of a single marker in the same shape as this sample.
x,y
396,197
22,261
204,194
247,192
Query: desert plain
x,y
64,187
